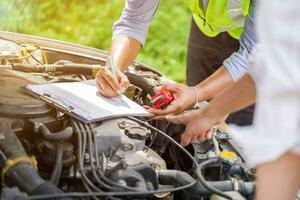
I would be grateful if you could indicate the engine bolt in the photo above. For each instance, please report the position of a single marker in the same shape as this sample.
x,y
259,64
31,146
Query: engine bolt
x,y
122,182
123,124
127,147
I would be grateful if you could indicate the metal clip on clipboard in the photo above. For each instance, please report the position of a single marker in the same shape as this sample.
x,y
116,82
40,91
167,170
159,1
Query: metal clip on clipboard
x,y
64,107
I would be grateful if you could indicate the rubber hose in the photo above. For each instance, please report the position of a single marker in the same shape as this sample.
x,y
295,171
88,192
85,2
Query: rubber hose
x,y
141,83
56,172
22,175
74,68
183,178
55,137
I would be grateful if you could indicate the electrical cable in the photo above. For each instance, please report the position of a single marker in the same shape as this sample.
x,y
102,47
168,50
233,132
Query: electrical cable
x,y
81,167
85,180
91,158
198,167
90,150
100,173
166,136
125,193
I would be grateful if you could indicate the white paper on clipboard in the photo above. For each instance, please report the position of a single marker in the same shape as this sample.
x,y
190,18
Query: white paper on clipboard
x,y
83,100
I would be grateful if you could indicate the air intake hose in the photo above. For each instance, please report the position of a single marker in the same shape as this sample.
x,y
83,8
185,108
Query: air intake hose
x,y
17,170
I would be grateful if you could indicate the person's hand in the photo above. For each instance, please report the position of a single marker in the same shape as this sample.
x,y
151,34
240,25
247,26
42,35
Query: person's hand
x,y
108,85
199,124
185,97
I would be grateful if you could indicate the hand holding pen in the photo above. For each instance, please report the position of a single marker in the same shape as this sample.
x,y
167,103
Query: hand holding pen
x,y
110,80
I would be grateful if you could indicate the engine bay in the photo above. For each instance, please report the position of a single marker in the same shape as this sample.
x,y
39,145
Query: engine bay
x,y
46,154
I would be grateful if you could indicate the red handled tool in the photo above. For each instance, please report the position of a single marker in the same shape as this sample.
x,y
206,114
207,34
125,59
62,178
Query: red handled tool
x,y
162,99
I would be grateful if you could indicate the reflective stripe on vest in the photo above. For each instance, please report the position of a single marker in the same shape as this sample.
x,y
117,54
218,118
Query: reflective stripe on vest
x,y
215,16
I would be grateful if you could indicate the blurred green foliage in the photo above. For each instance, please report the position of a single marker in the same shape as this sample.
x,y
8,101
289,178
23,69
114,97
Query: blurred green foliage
x,y
89,22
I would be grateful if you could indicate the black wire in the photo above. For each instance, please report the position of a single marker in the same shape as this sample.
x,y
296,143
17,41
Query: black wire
x,y
90,150
99,171
127,193
87,183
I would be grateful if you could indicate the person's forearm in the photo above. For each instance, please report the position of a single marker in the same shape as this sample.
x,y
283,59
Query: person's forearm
x,y
124,50
237,97
214,84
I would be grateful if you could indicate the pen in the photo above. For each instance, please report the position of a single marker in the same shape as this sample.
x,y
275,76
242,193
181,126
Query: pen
x,y
113,70
112,66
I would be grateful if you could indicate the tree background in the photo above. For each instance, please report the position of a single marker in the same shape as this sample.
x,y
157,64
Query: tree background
x,y
89,22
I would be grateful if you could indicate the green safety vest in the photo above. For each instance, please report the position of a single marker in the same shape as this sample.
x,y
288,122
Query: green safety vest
x,y
215,16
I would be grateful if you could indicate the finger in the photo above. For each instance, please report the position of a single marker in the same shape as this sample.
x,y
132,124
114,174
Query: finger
x,y
195,139
171,87
185,139
147,107
158,117
172,108
124,82
199,137
208,135
176,119
205,136
109,77
104,88
100,89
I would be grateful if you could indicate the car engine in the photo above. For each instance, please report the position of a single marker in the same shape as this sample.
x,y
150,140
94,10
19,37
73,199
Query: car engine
x,y
46,154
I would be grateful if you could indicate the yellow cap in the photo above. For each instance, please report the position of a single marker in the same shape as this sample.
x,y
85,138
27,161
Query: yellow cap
x,y
228,155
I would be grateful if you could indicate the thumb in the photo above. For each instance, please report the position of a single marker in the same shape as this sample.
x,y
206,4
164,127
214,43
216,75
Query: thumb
x,y
171,87
185,139
123,81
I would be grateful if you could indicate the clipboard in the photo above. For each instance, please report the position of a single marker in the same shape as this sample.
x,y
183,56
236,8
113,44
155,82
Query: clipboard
x,y
64,109
82,101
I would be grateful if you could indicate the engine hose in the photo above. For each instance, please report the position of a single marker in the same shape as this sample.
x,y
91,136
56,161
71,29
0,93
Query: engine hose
x,y
20,174
205,183
141,83
56,172
65,68
55,137
46,188
182,178
74,68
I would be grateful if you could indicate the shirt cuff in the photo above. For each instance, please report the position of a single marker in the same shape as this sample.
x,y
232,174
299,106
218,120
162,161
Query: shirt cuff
x,y
135,36
236,66
121,28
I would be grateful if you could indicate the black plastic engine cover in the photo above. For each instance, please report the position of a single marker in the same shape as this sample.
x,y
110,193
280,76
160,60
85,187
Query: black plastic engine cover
x,y
15,102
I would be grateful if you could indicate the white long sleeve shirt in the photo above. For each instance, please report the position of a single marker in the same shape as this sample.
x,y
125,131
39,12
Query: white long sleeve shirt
x,y
275,68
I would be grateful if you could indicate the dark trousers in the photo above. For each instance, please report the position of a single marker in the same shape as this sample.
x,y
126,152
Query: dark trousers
x,y
204,56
